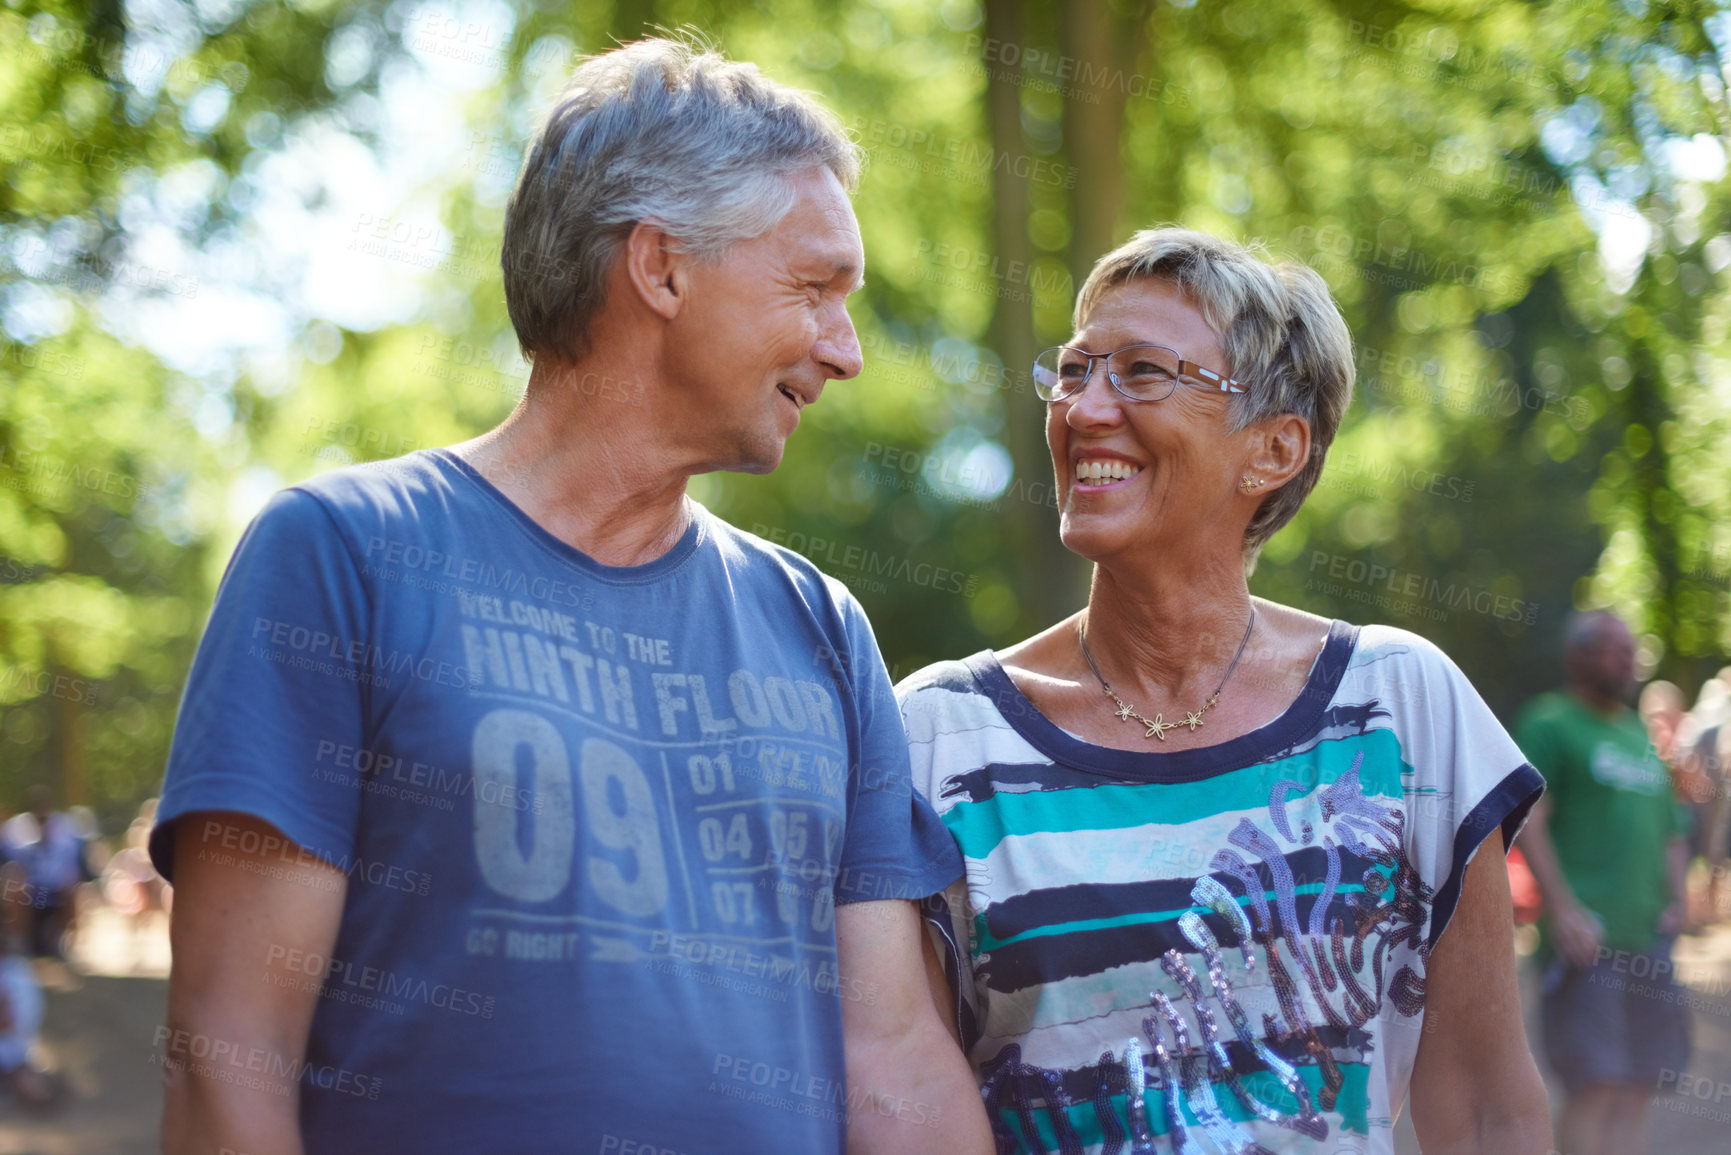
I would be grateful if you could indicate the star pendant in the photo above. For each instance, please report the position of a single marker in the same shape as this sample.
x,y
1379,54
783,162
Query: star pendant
x,y
1125,709
1157,728
1192,719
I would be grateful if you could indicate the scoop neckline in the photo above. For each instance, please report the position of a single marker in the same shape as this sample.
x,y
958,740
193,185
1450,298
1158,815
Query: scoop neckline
x,y
649,571
1280,734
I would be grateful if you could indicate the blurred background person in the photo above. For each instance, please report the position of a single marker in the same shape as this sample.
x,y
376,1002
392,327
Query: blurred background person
x,y
21,1002
1606,846
1662,713
52,848
1704,742
131,886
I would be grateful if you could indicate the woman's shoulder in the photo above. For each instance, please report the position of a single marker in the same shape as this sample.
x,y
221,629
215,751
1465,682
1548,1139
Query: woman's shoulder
x,y
977,673
1371,643
952,676
1409,675
1385,662
1040,651
1401,650
1037,665
970,701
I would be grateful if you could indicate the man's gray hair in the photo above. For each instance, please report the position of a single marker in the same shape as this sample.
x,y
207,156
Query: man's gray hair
x,y
1284,339
663,131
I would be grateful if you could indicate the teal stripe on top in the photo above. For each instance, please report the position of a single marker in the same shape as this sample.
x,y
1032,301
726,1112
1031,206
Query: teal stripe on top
x,y
978,827
1136,918
1351,1112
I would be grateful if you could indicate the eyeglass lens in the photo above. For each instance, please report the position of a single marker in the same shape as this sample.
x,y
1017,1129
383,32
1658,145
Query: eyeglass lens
x,y
1144,372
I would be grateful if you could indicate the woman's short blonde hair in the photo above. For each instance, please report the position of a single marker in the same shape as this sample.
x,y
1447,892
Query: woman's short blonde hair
x,y
1283,336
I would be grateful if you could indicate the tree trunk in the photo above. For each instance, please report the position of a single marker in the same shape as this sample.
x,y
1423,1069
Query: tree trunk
x,y
68,744
1049,574
1655,504
1104,47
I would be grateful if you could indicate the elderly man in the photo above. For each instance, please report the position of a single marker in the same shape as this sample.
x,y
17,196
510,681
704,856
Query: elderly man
x,y
1605,844
517,802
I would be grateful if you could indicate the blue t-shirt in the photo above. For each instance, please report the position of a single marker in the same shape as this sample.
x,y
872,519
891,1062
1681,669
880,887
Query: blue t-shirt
x,y
595,820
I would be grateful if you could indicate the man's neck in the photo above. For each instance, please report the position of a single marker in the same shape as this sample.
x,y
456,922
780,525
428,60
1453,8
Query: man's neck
x,y
582,458
1596,702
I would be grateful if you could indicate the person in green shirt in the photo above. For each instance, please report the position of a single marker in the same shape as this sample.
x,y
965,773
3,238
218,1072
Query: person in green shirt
x,y
1606,844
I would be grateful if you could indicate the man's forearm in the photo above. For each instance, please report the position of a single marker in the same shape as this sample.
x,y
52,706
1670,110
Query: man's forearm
x,y
1541,855
233,1048
910,1090
915,1095
1677,870
205,1114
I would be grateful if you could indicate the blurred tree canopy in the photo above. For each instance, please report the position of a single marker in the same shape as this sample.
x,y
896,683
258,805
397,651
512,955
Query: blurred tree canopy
x,y
242,241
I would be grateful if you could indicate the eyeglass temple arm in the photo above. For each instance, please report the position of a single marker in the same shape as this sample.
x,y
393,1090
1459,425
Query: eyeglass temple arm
x,y
1225,384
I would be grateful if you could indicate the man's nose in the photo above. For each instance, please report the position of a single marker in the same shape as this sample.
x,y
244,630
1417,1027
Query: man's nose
x,y
838,348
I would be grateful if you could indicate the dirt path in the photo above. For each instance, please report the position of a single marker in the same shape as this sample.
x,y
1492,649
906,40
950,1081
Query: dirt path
x,y
100,1031
1678,1124
101,1036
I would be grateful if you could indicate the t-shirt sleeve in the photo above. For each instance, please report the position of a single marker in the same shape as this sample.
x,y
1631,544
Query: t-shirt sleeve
x,y
1469,779
1536,736
948,916
895,846
280,675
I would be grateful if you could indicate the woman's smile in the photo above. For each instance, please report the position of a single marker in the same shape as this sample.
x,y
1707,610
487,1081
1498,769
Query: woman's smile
x,y
1095,472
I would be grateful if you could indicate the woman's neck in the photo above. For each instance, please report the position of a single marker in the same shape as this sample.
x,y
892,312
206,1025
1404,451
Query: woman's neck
x,y
1168,633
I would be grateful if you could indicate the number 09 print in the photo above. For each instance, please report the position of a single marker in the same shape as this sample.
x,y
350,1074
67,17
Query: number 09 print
x,y
738,841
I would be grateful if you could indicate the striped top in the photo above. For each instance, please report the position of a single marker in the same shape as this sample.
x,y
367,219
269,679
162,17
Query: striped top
x,y
1239,931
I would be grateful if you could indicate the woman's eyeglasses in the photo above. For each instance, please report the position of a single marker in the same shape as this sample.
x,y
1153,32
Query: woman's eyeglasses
x,y
1138,372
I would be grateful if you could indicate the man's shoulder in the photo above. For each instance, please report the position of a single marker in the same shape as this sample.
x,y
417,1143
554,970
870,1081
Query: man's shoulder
x,y
364,507
1552,711
380,490
1550,706
760,555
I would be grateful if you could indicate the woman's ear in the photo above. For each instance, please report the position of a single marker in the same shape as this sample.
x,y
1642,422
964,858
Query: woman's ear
x,y
655,269
1281,449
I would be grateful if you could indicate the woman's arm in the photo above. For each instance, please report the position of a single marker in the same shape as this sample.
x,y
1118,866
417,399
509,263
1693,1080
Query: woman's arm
x,y
1475,1087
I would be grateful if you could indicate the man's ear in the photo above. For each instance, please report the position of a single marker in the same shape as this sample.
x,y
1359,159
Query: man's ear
x,y
1281,449
656,269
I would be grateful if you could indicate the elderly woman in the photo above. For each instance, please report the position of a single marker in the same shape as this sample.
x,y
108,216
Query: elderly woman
x,y
1222,885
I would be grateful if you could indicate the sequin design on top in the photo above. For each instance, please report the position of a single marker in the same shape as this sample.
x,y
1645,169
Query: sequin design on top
x,y
1339,958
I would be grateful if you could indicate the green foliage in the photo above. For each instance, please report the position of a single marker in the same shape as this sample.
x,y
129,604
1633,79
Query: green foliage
x,y
1491,189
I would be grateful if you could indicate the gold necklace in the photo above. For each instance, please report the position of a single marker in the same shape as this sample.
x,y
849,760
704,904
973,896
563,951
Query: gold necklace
x,y
1157,725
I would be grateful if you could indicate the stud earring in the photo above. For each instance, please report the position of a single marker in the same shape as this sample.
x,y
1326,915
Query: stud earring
x,y
1250,483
